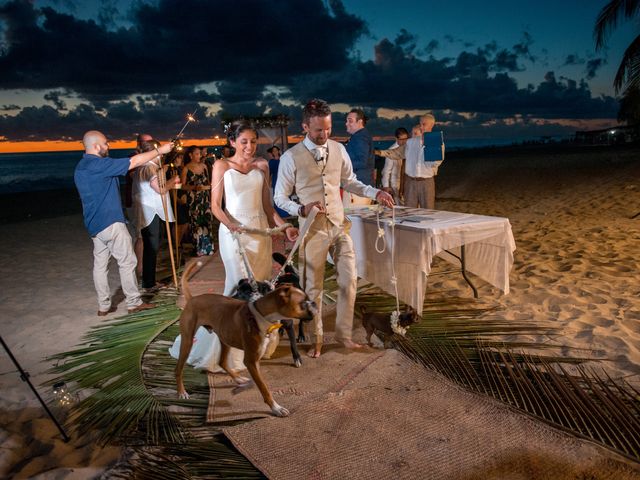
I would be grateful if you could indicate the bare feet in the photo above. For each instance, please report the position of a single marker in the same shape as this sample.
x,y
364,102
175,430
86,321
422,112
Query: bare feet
x,y
351,344
315,351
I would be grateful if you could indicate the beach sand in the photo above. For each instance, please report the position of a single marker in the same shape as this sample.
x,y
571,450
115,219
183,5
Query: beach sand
x,y
576,267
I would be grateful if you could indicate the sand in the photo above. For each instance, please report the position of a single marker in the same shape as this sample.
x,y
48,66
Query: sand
x,y
578,247
576,264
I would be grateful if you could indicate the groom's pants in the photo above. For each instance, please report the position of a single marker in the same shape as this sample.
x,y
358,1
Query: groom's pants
x,y
326,238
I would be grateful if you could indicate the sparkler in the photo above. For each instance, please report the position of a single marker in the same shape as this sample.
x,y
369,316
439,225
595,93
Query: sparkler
x,y
190,118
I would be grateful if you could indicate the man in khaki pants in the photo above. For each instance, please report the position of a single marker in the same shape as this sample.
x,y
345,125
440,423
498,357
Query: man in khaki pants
x,y
96,178
419,174
315,168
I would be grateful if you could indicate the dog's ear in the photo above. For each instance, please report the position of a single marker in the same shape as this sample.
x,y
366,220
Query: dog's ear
x,y
284,291
279,258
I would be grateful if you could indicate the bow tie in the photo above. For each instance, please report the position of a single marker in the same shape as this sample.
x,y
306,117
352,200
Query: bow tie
x,y
319,153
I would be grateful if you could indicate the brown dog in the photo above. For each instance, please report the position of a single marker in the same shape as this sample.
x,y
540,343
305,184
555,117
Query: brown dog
x,y
239,324
381,322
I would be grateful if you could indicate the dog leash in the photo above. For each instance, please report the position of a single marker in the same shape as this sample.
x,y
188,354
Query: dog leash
x,y
243,254
303,233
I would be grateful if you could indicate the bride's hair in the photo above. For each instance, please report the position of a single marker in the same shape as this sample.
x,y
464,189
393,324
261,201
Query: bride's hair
x,y
235,129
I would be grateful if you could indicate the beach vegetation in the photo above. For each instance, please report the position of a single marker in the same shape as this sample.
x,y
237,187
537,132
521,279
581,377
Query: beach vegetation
x,y
628,74
126,378
630,107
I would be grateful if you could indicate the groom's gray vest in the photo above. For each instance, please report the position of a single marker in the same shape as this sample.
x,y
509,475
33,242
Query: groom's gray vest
x,y
317,183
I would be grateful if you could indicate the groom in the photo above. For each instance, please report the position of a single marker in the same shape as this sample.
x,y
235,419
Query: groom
x,y
315,168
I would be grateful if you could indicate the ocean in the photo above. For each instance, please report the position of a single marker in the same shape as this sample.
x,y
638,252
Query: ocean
x,y
26,172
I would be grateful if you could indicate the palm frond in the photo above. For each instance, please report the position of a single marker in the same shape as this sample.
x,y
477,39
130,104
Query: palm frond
x,y
127,370
609,17
110,368
468,346
629,70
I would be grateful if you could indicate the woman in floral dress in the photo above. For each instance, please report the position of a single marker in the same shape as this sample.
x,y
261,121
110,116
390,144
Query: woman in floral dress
x,y
195,180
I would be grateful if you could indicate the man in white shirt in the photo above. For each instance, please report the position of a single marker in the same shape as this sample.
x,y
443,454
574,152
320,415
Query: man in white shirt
x,y
419,175
393,167
315,168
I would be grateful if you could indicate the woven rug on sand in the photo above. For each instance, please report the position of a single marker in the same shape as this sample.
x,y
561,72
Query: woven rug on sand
x,y
291,387
394,419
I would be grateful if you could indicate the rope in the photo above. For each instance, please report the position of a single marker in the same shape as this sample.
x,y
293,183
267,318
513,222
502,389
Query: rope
x,y
267,231
303,233
395,315
247,272
380,233
245,266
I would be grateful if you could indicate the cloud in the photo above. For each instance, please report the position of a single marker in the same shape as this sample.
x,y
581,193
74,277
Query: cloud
x,y
9,108
174,43
573,59
473,82
54,97
158,115
251,57
431,47
593,66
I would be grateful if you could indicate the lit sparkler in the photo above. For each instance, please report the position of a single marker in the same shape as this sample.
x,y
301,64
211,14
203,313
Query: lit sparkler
x,y
190,118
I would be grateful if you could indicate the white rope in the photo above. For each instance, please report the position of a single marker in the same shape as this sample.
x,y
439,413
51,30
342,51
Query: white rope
x,y
380,232
244,265
266,231
395,315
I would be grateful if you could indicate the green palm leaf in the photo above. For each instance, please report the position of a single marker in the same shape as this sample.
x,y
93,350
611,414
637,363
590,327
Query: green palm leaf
x,y
608,19
127,370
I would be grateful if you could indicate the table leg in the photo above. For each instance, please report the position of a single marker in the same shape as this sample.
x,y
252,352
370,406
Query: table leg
x,y
464,272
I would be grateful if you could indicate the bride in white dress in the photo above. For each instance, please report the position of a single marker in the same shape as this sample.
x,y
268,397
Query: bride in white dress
x,y
243,181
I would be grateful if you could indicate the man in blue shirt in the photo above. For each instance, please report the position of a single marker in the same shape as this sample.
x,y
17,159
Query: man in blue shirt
x,y
360,145
96,178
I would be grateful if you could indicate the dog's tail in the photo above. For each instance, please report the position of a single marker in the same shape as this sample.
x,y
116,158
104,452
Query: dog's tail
x,y
184,281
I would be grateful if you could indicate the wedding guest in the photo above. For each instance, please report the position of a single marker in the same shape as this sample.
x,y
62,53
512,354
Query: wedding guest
x,y
360,151
131,210
392,171
150,187
175,162
274,163
419,177
96,178
360,145
195,180
315,168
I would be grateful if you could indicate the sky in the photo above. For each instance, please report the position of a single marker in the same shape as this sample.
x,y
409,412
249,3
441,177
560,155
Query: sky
x,y
496,69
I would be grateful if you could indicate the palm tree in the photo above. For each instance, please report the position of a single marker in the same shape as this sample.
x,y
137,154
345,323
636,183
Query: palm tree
x,y
629,70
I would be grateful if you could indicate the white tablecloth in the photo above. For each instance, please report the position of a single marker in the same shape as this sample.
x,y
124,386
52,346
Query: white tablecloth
x,y
422,234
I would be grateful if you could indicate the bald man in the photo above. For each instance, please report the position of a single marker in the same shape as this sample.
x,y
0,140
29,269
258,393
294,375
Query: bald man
x,y
96,178
419,174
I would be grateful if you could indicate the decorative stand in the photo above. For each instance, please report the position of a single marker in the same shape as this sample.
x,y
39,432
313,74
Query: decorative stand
x,y
24,376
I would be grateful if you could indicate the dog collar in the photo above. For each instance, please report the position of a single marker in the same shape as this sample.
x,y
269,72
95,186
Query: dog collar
x,y
267,324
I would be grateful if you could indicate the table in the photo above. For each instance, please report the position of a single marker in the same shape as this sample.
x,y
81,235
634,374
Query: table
x,y
484,244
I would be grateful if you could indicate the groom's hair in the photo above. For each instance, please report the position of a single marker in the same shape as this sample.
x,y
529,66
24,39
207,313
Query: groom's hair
x,y
315,108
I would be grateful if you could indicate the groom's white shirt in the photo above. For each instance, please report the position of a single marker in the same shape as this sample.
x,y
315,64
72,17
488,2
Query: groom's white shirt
x,y
317,181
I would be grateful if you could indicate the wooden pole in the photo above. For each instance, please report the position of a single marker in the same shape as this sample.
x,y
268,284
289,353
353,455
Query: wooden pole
x,y
162,183
175,214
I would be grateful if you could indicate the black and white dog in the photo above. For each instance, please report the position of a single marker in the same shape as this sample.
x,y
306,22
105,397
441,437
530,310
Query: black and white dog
x,y
245,291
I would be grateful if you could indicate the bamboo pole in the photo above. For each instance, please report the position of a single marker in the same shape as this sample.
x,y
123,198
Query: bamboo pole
x,y
162,183
175,214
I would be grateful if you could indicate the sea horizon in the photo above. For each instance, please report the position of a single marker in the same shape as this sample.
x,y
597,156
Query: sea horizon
x,y
41,171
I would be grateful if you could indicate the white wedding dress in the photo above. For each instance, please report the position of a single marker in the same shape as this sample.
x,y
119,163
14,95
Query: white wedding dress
x,y
243,204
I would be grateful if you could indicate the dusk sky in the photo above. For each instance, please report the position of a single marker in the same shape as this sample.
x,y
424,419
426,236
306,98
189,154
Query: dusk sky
x,y
485,69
